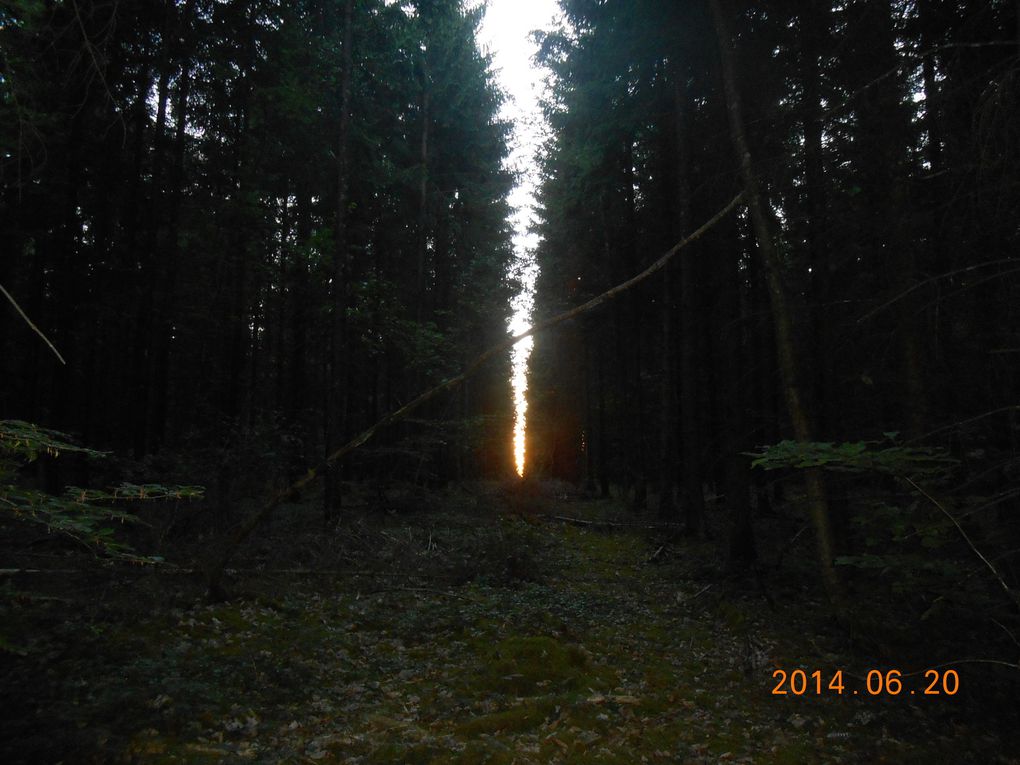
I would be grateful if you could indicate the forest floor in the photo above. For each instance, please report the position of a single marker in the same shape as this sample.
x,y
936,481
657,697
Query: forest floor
x,y
479,631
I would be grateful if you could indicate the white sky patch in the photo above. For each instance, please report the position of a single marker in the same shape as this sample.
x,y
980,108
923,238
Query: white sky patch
x,y
505,33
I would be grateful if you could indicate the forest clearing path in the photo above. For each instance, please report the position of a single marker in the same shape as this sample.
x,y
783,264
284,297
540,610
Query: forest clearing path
x,y
456,636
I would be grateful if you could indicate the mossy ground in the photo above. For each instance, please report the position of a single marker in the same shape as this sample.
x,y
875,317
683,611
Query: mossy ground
x,y
522,640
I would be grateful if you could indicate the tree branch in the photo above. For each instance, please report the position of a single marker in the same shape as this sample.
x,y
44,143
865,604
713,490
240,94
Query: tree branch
x,y
909,58
966,538
931,279
30,324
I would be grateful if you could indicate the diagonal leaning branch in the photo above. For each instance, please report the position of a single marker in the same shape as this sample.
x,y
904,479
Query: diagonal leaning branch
x,y
30,323
215,570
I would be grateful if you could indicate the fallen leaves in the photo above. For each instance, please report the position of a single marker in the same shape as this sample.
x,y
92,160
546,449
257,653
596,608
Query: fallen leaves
x,y
593,663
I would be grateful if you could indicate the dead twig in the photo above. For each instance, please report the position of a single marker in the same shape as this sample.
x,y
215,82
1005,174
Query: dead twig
x,y
690,598
656,553
788,545
673,538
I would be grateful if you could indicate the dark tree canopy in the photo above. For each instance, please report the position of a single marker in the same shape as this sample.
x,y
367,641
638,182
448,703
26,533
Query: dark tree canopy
x,y
875,268
171,175
259,506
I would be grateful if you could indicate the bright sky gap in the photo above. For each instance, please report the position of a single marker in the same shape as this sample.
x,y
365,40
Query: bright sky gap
x,y
505,34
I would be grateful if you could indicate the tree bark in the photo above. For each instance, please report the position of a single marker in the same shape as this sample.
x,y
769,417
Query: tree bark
x,y
632,351
146,319
813,35
732,358
603,435
589,417
690,451
667,435
885,137
169,257
338,320
787,350
421,244
297,389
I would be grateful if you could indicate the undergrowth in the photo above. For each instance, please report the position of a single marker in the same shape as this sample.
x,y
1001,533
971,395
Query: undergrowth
x,y
465,635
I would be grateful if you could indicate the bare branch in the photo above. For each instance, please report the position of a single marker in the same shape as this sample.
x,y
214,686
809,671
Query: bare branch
x,y
910,58
996,662
931,279
29,322
98,68
1009,592
930,433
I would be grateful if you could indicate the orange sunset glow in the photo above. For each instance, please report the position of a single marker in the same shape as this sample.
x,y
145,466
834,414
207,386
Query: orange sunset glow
x,y
519,381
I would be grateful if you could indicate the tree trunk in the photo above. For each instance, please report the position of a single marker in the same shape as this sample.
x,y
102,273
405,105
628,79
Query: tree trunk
x,y
885,137
280,324
163,327
691,473
787,350
632,351
603,435
928,18
421,245
732,321
145,320
589,418
690,451
336,381
297,389
813,37
667,435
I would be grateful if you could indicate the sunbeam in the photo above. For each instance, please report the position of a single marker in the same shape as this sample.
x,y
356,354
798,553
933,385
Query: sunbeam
x,y
506,36
519,380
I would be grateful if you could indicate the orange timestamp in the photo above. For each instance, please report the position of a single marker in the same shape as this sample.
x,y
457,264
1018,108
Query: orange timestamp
x,y
889,682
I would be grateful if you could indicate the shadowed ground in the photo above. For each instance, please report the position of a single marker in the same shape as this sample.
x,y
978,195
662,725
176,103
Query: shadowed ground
x,y
482,631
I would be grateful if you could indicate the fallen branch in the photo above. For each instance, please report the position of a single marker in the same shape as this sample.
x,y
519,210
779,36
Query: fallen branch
x,y
689,598
656,554
216,568
673,538
608,524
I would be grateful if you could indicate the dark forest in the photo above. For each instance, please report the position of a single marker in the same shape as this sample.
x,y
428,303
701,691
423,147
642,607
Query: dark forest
x,y
257,492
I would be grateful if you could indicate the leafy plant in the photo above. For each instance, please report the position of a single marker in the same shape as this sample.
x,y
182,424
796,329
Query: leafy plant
x,y
885,457
893,537
85,515
906,539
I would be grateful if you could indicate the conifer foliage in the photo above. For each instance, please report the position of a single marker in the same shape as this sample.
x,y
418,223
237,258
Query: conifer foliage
x,y
875,266
254,217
